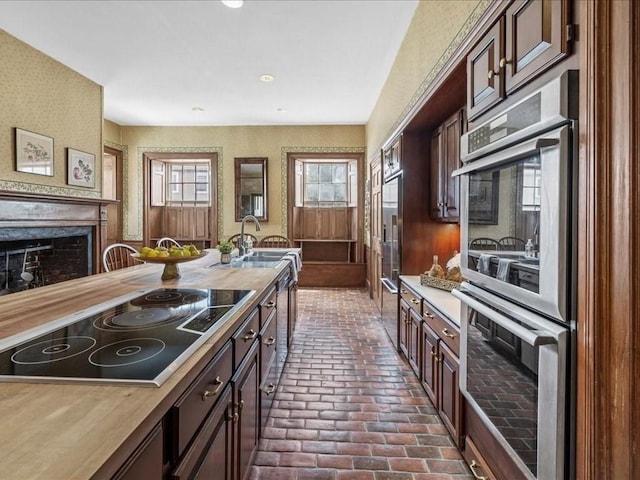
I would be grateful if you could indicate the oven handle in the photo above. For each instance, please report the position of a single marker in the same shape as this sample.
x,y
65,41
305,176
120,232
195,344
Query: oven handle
x,y
508,154
530,336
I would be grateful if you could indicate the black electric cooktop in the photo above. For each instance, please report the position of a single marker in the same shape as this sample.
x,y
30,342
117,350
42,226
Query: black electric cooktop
x,y
137,339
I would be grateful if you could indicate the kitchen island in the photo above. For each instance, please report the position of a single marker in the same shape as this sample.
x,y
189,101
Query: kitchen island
x,y
81,431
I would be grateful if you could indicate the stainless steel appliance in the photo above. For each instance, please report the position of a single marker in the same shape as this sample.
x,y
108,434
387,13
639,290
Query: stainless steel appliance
x,y
136,339
517,187
391,248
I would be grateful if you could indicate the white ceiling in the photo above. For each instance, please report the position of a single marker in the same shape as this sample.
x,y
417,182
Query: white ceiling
x,y
159,59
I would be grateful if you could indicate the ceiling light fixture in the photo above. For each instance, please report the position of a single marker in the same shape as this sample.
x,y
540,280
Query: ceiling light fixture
x,y
281,109
233,3
265,77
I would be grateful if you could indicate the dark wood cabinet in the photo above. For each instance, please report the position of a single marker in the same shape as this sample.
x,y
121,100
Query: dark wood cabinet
x,y
445,158
528,39
246,383
440,369
146,461
211,453
537,36
403,328
409,326
269,351
429,377
484,85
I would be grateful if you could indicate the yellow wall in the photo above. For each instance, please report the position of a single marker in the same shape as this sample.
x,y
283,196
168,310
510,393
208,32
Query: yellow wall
x,y
42,95
272,142
436,29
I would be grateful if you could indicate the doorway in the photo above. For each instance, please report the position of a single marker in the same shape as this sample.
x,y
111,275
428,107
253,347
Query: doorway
x,y
112,190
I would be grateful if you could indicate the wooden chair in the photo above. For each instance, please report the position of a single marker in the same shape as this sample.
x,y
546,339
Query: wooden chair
x,y
117,256
235,238
275,241
167,242
483,243
511,243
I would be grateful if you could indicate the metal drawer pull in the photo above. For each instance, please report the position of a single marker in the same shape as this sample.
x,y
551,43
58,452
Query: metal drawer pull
x,y
428,315
213,393
241,405
232,418
269,389
414,301
473,466
446,333
250,336
271,304
269,341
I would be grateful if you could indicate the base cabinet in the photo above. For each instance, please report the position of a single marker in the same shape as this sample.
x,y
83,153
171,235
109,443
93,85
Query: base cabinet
x,y
213,428
146,461
410,335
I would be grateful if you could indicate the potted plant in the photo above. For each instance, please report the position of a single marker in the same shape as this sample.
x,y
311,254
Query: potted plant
x,y
225,248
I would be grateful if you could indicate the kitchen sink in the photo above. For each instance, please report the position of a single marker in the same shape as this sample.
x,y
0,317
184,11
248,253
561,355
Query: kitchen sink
x,y
256,259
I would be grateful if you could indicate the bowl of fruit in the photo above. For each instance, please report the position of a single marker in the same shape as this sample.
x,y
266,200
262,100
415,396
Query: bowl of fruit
x,y
170,257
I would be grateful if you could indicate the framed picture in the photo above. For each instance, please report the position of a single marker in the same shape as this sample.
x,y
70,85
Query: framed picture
x,y
34,153
483,198
81,168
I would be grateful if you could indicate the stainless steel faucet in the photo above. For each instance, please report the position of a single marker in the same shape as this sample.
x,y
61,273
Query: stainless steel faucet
x,y
242,247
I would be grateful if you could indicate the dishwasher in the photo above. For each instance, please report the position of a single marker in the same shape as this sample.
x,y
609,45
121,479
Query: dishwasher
x,y
282,321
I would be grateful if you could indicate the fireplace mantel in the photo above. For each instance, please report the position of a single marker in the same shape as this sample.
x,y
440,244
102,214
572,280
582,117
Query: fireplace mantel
x,y
26,210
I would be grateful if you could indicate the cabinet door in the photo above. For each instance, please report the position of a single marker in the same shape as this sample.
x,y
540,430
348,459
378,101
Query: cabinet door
x,y
449,404
293,312
403,326
451,132
535,39
437,210
247,403
268,388
210,455
429,362
146,461
413,341
376,231
484,87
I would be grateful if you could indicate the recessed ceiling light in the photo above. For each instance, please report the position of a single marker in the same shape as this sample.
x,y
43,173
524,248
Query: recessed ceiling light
x,y
197,109
233,3
280,109
265,77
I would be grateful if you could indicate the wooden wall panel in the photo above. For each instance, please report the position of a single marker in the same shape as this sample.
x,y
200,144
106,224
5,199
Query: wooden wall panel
x,y
608,340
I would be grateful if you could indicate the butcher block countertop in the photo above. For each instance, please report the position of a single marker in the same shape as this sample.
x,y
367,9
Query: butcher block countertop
x,y
76,431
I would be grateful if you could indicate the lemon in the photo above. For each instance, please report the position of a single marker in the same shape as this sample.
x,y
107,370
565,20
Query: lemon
x,y
151,253
144,251
163,253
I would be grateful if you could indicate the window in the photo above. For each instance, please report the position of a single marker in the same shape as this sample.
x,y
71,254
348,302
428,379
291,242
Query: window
x,y
531,179
325,185
187,184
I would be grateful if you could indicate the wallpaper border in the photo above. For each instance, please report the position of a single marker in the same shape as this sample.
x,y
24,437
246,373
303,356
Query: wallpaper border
x,y
284,151
468,25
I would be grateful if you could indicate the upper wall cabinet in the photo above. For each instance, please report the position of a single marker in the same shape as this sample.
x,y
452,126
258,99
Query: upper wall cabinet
x,y
445,158
532,36
251,188
392,158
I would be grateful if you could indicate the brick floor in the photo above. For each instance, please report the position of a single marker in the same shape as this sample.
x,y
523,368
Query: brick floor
x,y
348,407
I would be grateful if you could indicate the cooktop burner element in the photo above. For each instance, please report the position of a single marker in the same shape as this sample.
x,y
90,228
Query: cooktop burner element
x,y
137,339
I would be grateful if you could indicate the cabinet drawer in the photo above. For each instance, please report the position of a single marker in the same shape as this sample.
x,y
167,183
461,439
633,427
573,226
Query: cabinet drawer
x,y
195,403
267,306
447,332
413,299
478,464
244,337
268,343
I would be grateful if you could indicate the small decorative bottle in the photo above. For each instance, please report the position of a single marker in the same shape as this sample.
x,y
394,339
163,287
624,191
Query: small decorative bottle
x,y
436,270
529,249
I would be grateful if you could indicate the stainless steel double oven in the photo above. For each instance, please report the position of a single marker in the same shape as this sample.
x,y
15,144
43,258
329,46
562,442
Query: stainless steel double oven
x,y
518,258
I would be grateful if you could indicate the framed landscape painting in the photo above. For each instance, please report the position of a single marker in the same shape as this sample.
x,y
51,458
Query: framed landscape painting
x,y
81,168
34,153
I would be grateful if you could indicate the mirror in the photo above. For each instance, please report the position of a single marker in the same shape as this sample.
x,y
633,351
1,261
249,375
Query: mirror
x,y
251,188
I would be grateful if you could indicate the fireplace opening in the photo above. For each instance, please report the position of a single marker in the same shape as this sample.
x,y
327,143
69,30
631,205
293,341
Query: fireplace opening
x,y
34,257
